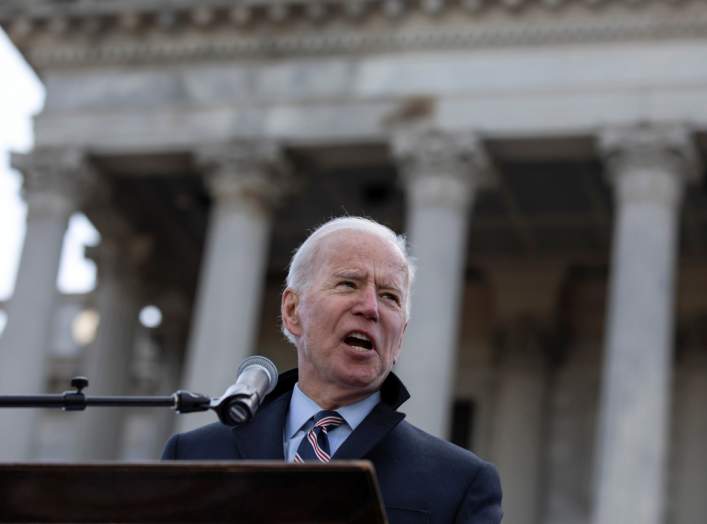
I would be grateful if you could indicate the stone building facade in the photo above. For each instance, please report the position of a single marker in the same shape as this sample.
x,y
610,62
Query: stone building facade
x,y
544,157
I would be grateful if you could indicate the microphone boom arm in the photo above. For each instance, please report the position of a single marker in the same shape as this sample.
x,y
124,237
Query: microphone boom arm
x,y
181,401
257,376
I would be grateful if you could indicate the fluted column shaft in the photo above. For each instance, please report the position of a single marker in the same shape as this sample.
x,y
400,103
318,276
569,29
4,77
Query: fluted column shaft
x,y
442,174
648,167
245,180
521,408
109,358
51,179
525,302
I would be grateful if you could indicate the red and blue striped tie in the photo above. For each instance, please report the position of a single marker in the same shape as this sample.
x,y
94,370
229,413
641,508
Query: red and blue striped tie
x,y
315,444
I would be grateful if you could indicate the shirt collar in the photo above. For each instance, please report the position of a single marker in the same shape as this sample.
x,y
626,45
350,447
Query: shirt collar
x,y
303,408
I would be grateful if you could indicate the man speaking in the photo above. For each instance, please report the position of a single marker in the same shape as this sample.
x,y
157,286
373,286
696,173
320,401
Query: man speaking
x,y
345,308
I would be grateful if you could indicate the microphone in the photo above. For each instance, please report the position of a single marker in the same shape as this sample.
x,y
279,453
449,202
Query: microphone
x,y
257,376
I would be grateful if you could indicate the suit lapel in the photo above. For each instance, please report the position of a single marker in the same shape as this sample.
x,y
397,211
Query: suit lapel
x,y
379,422
261,439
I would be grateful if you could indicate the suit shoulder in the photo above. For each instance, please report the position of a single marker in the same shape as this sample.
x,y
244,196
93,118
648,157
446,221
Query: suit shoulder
x,y
435,450
420,438
412,465
483,484
211,442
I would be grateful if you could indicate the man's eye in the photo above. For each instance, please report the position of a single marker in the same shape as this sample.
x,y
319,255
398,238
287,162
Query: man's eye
x,y
347,283
392,296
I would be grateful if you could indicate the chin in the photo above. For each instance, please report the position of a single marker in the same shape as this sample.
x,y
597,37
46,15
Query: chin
x,y
367,382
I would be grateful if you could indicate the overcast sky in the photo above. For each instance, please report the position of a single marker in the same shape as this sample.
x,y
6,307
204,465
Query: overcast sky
x,y
21,96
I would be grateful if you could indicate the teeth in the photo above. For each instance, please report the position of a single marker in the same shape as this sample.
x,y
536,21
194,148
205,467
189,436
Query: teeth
x,y
359,340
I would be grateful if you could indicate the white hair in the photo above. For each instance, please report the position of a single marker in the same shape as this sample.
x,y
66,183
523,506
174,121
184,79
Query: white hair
x,y
302,262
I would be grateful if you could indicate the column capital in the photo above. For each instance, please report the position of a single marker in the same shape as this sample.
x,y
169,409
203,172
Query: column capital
x,y
253,172
442,168
121,254
54,179
650,163
524,342
533,291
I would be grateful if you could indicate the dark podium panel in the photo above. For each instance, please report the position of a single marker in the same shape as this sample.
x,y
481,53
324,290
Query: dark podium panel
x,y
190,492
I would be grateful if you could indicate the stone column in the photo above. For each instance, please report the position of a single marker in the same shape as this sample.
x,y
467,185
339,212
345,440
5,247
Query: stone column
x,y
521,412
526,302
51,187
109,359
245,180
648,168
569,453
689,449
172,337
442,173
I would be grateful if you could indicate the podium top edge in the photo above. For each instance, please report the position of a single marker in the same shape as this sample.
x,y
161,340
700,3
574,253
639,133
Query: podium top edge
x,y
206,465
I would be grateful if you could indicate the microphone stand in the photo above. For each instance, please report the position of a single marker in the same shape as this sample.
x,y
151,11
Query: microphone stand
x,y
180,401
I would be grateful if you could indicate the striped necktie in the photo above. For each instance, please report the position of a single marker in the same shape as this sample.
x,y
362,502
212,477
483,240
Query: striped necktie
x,y
315,444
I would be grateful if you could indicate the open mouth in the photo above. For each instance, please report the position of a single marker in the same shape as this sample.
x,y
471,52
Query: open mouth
x,y
359,340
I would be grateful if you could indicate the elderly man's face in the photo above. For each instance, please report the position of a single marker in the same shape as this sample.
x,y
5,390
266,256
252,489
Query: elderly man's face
x,y
350,320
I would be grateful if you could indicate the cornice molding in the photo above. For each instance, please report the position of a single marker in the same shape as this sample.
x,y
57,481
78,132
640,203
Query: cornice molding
x,y
280,10
127,32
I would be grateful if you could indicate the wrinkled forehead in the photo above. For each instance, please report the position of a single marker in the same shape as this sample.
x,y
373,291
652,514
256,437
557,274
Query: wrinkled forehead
x,y
348,248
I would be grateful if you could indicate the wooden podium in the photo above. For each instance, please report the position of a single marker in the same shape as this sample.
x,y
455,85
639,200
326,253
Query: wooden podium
x,y
190,492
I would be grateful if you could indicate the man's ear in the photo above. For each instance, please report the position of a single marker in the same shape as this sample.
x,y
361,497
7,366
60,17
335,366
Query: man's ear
x,y
289,310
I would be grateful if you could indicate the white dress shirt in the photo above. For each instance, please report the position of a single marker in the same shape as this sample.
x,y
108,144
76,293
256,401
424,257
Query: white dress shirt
x,y
302,409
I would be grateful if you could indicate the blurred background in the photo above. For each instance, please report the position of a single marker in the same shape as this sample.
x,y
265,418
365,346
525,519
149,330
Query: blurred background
x,y
160,161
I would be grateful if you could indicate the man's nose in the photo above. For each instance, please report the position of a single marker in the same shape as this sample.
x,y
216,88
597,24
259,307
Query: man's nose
x,y
367,304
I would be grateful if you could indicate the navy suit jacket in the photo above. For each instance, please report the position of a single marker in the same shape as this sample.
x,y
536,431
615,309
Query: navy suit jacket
x,y
423,479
